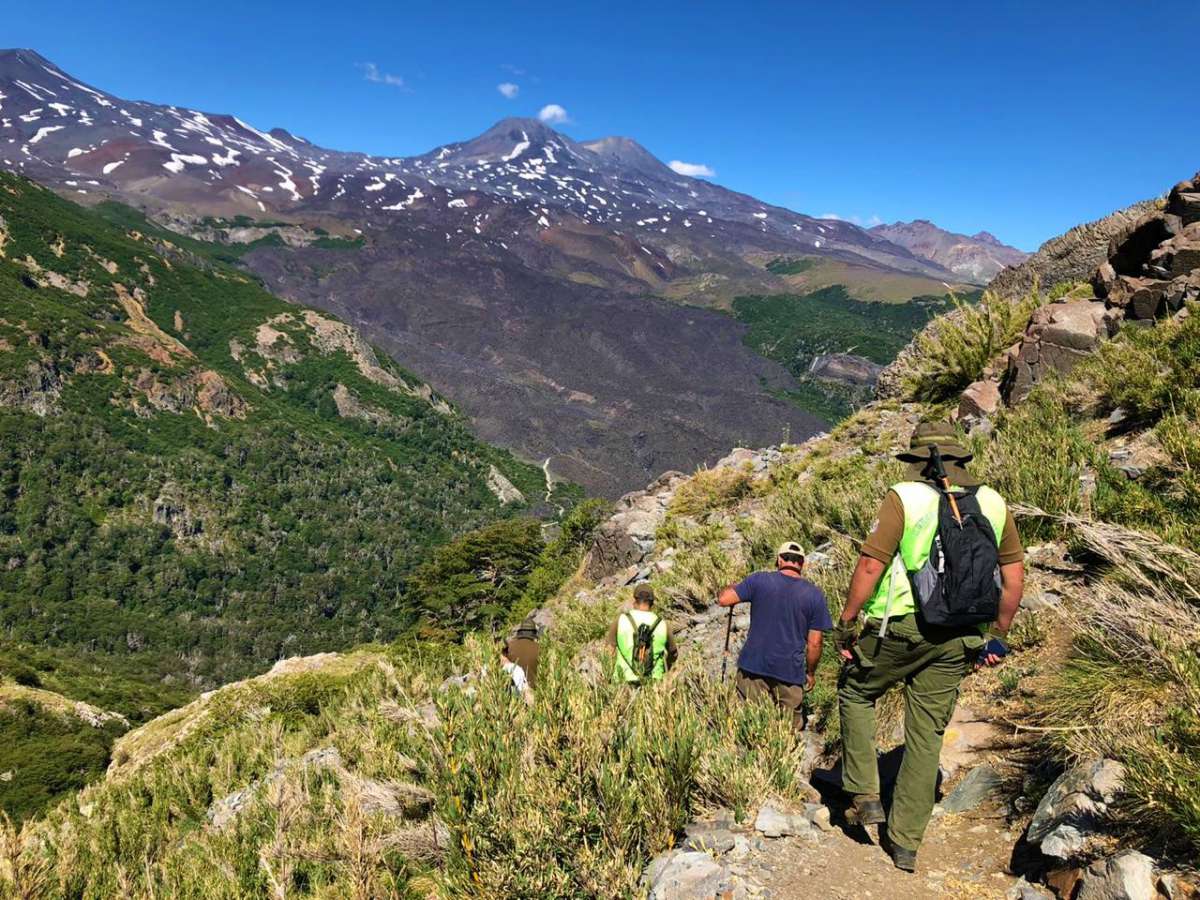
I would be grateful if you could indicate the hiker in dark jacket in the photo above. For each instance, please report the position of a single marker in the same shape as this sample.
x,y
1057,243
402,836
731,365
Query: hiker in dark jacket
x,y
788,614
899,644
661,651
522,648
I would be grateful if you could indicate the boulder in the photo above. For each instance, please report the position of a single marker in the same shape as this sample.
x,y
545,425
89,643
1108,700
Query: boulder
x,y
818,815
1064,881
1173,886
692,875
976,786
1181,254
756,461
1185,289
1139,298
1058,337
1071,815
773,822
711,836
1041,600
684,875
1127,876
1023,890
979,401
1184,200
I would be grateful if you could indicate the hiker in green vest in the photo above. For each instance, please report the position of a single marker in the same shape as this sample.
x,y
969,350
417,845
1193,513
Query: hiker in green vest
x,y
644,646
942,564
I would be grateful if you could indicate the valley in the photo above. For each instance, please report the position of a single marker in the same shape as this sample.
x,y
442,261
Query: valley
x,y
557,291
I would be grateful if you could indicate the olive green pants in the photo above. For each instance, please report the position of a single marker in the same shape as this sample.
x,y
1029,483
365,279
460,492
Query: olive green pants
x,y
787,696
931,665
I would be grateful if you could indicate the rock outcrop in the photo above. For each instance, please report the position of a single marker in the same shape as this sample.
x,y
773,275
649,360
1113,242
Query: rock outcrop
x,y
847,368
1058,338
1153,265
1070,257
1150,268
627,538
1071,817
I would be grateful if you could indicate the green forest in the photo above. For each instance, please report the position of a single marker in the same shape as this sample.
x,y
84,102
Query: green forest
x,y
795,329
182,508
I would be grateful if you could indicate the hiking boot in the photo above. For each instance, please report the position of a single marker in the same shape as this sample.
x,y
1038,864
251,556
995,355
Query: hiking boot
x,y
904,858
868,810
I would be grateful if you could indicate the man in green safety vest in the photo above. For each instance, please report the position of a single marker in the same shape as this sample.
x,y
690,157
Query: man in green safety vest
x,y
899,643
644,646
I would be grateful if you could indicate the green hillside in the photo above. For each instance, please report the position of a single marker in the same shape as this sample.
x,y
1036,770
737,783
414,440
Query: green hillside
x,y
370,774
795,329
197,478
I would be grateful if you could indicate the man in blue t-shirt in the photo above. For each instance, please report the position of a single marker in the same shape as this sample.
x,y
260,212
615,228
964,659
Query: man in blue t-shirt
x,y
788,614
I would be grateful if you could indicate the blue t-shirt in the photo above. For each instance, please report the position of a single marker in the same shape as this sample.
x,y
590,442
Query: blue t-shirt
x,y
783,610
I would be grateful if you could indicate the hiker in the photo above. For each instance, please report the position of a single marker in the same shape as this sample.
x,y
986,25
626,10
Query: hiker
x,y
522,648
788,615
645,647
929,587
520,685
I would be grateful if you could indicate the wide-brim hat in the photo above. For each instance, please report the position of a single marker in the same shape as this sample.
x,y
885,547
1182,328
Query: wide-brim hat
x,y
944,437
527,629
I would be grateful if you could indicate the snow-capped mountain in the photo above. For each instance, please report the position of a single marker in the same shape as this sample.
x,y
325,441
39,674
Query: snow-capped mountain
x,y
61,131
525,275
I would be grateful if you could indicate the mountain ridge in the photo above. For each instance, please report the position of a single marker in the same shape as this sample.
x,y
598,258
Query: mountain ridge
x,y
563,249
977,258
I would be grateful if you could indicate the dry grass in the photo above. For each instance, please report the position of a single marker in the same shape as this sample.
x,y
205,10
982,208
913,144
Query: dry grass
x,y
1131,686
711,489
954,349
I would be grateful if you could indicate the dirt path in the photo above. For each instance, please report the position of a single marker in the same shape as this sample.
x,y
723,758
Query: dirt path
x,y
962,857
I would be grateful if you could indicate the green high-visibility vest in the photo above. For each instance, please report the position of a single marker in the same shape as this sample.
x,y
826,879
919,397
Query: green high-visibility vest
x,y
625,634
920,502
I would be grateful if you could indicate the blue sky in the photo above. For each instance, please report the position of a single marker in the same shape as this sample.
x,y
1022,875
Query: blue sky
x,y
1020,118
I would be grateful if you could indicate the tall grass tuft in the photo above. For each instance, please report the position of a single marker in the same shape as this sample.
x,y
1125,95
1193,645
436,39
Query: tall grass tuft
x,y
1037,455
570,795
954,349
1131,689
711,489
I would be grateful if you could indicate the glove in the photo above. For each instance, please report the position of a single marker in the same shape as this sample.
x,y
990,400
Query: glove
x,y
993,651
845,634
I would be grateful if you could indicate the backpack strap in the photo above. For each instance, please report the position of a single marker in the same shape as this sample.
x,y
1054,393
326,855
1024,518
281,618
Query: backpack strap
x,y
628,616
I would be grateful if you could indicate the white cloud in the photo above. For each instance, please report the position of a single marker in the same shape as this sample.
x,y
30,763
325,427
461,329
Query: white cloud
x,y
371,72
553,114
694,170
509,90
869,222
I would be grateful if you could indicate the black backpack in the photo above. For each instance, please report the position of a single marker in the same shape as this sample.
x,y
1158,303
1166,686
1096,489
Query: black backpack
x,y
960,584
642,655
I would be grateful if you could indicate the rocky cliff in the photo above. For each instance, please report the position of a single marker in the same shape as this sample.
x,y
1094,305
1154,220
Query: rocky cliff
x,y
1069,257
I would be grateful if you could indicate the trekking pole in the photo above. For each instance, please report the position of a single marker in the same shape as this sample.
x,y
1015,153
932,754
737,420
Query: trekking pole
x,y
943,480
728,631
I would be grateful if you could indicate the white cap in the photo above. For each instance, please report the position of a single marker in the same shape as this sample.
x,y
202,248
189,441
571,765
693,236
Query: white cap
x,y
790,548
